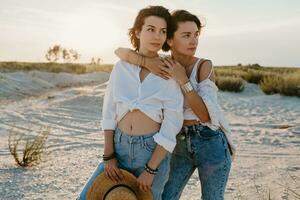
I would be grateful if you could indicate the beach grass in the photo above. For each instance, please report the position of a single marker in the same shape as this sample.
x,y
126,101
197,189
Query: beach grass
x,y
232,84
54,67
272,80
286,85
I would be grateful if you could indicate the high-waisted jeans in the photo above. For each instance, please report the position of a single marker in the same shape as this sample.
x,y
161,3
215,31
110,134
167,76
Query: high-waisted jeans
x,y
132,153
199,147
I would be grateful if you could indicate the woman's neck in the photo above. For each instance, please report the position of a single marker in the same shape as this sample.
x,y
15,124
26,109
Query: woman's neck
x,y
147,53
184,60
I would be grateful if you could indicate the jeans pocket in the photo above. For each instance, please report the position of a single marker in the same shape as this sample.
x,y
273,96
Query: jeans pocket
x,y
150,144
207,133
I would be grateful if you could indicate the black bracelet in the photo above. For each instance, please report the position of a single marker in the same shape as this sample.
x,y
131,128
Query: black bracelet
x,y
150,170
106,158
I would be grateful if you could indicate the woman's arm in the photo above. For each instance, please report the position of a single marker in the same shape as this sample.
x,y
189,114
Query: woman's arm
x,y
170,127
194,100
155,65
108,124
145,180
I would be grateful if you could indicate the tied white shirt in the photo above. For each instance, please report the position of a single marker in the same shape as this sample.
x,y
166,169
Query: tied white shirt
x,y
159,99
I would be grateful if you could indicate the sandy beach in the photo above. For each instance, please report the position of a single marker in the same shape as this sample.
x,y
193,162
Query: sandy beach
x,y
265,128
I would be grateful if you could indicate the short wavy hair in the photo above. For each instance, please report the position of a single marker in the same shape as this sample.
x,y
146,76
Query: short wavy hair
x,y
158,11
182,16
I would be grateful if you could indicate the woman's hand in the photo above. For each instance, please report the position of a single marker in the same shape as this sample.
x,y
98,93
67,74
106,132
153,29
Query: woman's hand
x,y
112,171
157,67
145,181
176,70
154,65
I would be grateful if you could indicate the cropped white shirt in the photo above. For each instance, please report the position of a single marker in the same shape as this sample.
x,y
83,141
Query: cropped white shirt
x,y
159,99
207,90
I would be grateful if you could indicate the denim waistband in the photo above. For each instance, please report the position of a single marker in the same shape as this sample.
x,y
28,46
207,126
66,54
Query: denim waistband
x,y
194,128
132,138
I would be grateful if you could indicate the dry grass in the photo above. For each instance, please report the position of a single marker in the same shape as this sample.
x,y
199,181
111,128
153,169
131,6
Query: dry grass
x,y
229,83
53,67
285,81
272,80
286,85
32,148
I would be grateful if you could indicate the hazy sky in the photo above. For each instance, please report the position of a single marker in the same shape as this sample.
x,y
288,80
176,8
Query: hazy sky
x,y
237,31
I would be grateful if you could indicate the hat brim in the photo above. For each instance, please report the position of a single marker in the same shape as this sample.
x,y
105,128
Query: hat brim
x,y
102,185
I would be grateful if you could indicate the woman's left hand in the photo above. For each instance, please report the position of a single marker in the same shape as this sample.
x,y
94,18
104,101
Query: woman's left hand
x,y
145,181
176,70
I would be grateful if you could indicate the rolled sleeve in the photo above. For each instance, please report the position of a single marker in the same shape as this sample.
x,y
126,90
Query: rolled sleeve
x,y
108,124
173,119
108,121
170,127
208,94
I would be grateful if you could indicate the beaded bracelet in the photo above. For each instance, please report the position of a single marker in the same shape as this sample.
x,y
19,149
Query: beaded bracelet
x,y
107,158
150,170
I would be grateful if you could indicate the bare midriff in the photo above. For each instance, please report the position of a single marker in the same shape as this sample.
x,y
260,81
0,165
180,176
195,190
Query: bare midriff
x,y
190,122
138,123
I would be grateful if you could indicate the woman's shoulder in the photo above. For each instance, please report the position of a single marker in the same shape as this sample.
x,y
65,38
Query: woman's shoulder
x,y
122,66
205,69
122,63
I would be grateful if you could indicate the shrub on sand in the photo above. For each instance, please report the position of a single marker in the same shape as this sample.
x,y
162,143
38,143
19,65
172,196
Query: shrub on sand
x,y
271,84
288,85
233,84
32,147
230,72
254,76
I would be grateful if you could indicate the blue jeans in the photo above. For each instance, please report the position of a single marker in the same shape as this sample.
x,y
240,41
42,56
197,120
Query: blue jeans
x,y
132,153
199,147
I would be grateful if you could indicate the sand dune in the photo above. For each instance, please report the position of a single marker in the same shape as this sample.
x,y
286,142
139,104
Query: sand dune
x,y
266,130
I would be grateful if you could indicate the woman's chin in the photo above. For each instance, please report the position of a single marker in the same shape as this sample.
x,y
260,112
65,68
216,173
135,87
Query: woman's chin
x,y
154,49
189,53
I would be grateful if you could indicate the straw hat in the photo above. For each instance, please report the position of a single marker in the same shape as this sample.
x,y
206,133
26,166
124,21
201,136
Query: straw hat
x,y
105,189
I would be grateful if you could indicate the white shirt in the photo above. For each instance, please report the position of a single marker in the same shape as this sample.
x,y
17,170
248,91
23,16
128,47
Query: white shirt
x,y
159,99
207,90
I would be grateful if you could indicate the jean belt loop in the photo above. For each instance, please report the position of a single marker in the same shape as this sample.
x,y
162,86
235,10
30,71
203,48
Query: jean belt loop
x,y
119,135
194,128
188,139
198,129
142,141
186,129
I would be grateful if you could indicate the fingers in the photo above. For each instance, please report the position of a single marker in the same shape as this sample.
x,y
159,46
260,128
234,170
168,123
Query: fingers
x,y
163,75
113,173
168,64
144,187
170,60
112,176
164,72
119,174
163,69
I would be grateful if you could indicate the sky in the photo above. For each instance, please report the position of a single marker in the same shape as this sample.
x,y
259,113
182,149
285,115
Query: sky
x,y
248,31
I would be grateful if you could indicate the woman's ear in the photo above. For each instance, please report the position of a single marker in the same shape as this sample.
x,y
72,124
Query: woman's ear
x,y
137,34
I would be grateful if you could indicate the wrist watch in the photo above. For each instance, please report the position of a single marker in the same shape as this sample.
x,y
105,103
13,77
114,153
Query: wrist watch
x,y
187,87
